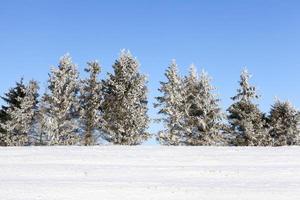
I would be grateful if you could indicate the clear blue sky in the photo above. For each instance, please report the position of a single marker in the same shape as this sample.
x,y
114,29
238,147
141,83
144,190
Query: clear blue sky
x,y
220,36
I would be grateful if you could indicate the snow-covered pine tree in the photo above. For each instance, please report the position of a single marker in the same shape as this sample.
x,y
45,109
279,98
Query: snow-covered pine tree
x,y
125,103
60,105
12,100
21,125
171,105
284,124
203,114
246,120
90,102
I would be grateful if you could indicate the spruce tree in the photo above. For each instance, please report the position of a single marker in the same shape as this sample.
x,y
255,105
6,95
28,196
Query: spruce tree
x,y
171,105
246,120
203,114
21,125
60,105
90,102
12,100
284,124
125,103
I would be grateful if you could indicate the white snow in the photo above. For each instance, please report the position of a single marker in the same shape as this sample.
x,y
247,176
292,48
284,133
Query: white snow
x,y
144,173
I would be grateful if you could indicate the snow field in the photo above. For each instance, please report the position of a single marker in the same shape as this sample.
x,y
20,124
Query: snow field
x,y
149,172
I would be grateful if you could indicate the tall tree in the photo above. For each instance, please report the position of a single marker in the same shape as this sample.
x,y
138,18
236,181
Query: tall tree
x,y
171,105
12,100
246,120
20,127
90,102
284,123
125,103
60,105
203,114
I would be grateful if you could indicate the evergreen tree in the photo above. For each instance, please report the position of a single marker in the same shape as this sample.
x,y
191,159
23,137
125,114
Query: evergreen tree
x,y
171,105
20,126
90,102
60,105
12,100
246,120
125,103
203,113
284,124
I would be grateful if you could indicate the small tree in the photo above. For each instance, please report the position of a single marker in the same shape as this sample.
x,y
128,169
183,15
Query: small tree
x,y
60,106
12,99
125,103
90,102
284,124
203,113
246,120
171,105
20,126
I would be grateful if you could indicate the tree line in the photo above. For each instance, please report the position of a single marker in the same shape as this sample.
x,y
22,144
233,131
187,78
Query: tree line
x,y
76,111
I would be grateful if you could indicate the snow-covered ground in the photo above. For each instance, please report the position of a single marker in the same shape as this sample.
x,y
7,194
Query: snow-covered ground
x,y
142,173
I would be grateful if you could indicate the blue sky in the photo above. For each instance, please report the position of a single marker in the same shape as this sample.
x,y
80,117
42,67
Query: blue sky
x,y
220,36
